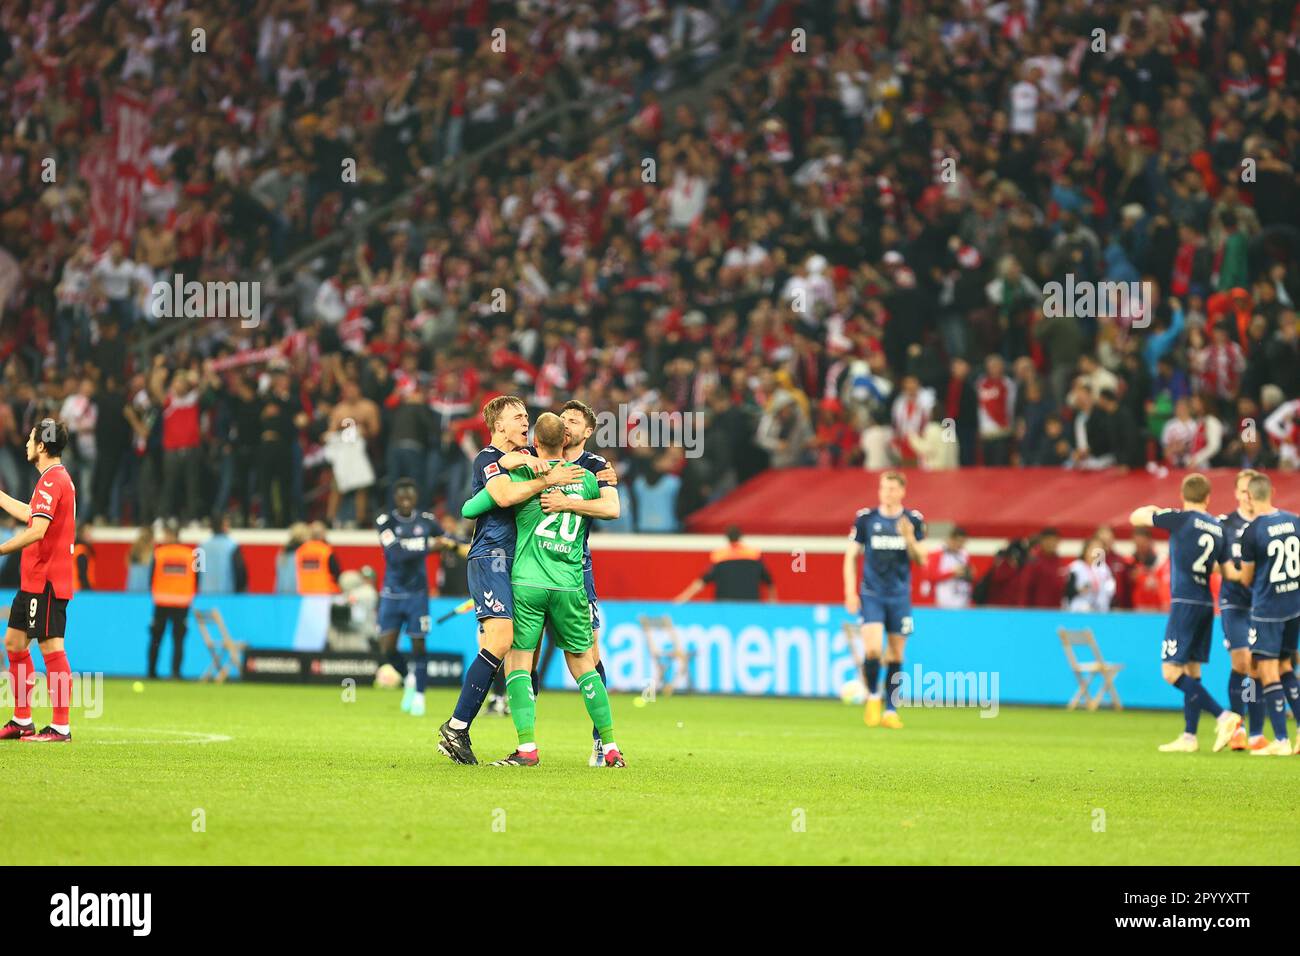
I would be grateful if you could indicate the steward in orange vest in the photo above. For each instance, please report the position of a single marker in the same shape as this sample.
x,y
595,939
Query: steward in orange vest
x,y
174,582
736,572
318,567
83,566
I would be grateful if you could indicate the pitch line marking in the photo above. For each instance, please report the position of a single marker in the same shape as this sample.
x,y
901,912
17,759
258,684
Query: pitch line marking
x,y
188,736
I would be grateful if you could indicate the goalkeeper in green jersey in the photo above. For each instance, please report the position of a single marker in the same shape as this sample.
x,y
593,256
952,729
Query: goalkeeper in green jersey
x,y
547,583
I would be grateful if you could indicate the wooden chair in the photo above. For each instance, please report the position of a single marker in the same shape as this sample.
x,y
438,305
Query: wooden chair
x,y
227,654
673,659
1085,670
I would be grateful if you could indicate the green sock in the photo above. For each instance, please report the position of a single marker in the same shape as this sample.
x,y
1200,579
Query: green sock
x,y
596,700
523,708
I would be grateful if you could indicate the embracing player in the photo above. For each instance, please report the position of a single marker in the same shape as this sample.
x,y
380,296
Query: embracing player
x,y
579,424
491,553
548,584
408,537
40,609
1270,566
887,537
1197,545
1234,613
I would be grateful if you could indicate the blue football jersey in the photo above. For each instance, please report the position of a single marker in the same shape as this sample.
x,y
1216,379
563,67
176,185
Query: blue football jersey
x,y
1272,542
494,532
405,541
1232,594
1196,544
886,568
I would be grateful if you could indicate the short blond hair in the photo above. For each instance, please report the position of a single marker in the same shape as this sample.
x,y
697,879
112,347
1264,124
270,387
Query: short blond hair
x,y
492,410
897,476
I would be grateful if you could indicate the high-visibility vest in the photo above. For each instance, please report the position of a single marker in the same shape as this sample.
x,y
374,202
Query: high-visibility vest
x,y
174,578
77,552
735,552
313,560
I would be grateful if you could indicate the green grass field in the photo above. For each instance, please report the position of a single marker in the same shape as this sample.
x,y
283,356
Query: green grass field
x,y
295,775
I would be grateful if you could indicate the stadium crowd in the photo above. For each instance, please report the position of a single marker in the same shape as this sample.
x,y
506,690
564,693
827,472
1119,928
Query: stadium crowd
x,y
838,257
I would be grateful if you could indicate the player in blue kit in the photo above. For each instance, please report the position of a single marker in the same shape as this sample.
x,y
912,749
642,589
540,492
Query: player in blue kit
x,y
408,537
1234,613
887,538
1197,545
491,554
1270,566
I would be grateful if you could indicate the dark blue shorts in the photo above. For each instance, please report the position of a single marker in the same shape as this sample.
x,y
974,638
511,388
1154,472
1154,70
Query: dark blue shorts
x,y
1236,626
411,613
1273,640
894,612
489,586
1188,634
590,581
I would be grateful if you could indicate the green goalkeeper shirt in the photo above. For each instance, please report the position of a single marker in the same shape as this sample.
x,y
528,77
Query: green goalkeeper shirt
x,y
548,548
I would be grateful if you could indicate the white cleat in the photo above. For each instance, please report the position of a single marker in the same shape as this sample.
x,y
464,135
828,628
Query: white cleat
x,y
1184,744
597,758
1228,723
417,705
1278,748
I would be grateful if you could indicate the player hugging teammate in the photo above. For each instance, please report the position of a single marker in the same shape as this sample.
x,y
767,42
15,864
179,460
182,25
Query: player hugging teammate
x,y
492,551
887,538
1259,551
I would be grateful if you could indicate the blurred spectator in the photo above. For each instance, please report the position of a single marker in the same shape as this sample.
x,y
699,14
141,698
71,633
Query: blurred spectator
x,y
1044,576
948,572
1150,574
1090,585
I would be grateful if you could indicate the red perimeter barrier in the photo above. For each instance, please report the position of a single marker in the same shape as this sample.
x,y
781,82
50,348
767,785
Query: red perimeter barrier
x,y
987,502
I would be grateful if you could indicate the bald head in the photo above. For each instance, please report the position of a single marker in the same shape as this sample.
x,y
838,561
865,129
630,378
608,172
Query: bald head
x,y
549,435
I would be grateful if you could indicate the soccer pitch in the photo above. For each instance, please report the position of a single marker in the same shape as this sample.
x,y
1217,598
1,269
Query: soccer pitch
x,y
238,774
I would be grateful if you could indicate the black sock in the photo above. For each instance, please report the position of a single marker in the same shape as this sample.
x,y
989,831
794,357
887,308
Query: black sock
x,y
871,674
892,670
395,658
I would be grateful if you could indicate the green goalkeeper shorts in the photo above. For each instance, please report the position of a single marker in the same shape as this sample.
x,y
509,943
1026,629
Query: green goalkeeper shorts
x,y
568,612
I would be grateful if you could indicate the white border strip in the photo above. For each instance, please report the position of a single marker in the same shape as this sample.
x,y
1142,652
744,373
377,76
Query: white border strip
x,y
641,543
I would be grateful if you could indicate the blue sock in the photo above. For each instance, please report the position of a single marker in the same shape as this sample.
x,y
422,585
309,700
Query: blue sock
x,y
421,664
1205,699
1254,706
478,681
1274,699
871,674
892,670
600,669
395,658
1236,681
1191,708
1291,687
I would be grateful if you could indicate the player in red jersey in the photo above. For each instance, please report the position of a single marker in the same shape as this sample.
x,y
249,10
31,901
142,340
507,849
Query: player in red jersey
x,y
40,608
